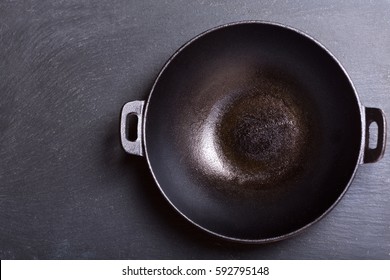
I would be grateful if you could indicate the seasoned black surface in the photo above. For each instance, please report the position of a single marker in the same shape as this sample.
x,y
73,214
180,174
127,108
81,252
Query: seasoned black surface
x,y
67,190
264,131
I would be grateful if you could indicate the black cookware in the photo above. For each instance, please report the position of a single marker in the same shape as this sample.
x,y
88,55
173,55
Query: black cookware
x,y
253,131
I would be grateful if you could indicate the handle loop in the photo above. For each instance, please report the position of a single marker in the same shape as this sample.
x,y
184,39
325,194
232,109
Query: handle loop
x,y
133,108
375,115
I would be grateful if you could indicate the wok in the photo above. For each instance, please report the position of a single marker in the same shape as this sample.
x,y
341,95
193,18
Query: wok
x,y
253,131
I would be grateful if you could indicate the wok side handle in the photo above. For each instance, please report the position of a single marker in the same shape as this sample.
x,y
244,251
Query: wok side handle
x,y
132,108
375,115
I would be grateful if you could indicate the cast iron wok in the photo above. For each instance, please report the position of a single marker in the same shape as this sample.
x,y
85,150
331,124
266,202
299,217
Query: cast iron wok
x,y
253,131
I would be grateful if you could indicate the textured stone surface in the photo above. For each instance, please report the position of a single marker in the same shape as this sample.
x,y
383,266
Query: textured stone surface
x,y
67,189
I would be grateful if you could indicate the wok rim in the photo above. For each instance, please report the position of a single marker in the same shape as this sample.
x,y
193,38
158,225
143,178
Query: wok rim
x,y
357,163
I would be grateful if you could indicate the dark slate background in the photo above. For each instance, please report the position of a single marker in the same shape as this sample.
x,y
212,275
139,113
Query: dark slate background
x,y
67,190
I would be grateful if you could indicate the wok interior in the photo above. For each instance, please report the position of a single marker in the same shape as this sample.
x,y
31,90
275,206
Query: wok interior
x,y
253,131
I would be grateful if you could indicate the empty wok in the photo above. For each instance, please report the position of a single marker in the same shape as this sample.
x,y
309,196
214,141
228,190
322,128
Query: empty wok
x,y
253,131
